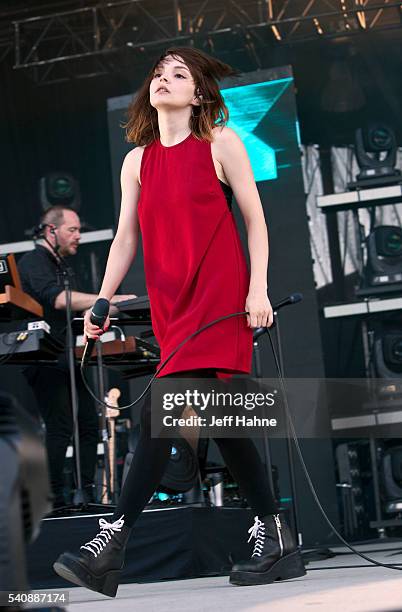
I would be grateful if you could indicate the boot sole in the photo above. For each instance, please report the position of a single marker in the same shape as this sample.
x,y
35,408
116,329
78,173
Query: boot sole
x,y
288,567
76,573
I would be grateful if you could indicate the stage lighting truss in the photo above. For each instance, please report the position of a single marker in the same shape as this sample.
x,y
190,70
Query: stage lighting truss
x,y
83,42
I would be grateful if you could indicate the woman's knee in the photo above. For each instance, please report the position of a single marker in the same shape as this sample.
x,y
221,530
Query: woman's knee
x,y
146,411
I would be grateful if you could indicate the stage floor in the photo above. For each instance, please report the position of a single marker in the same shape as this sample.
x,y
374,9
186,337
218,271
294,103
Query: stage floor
x,y
343,589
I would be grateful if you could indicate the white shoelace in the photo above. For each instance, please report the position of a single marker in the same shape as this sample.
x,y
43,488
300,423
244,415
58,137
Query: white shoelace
x,y
257,531
98,543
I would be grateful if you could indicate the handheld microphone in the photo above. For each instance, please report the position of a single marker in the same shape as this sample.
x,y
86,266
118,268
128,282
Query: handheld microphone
x,y
99,313
293,298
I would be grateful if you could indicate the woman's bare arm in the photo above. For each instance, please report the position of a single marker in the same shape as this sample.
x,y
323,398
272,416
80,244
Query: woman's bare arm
x,y
125,243
231,153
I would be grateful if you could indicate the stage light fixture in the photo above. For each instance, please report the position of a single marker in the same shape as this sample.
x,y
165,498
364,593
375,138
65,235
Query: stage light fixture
x,y
59,188
387,365
376,150
388,354
391,479
387,362
383,270
393,351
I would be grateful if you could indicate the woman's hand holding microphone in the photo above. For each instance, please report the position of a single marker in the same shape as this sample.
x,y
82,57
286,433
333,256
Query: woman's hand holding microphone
x,y
259,308
94,331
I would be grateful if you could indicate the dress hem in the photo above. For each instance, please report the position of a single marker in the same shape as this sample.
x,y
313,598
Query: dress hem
x,y
220,370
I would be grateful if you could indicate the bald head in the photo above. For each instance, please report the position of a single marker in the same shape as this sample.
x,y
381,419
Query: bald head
x,y
62,229
54,215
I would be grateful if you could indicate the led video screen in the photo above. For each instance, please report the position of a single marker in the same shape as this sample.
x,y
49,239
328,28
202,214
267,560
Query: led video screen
x,y
262,111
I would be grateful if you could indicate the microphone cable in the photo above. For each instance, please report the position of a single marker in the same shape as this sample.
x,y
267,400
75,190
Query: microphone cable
x,y
162,365
288,415
305,470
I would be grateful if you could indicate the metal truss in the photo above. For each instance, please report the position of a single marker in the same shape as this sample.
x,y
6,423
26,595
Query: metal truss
x,y
90,41
95,34
303,20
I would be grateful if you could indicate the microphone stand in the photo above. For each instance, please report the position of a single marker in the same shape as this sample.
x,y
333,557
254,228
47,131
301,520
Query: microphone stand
x,y
289,447
258,374
78,498
104,424
259,332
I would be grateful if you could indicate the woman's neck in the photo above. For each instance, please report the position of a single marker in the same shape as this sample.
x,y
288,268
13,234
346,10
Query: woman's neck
x,y
173,126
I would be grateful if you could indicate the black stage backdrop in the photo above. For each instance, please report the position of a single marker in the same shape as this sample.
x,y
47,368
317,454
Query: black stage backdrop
x,y
44,129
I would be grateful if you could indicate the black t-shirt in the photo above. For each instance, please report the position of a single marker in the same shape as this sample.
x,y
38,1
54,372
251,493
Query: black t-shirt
x,y
42,278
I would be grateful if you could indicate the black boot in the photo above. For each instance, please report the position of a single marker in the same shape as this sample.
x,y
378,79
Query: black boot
x,y
99,563
275,555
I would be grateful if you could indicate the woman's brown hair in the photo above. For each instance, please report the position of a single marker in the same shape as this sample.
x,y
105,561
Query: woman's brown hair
x,y
142,125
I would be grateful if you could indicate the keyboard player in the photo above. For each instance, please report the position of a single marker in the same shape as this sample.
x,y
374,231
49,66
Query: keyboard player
x,y
41,276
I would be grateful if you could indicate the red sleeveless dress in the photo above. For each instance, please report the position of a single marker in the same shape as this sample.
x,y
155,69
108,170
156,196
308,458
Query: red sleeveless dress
x,y
194,263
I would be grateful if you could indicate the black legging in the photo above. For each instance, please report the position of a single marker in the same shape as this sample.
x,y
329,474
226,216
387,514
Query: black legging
x,y
152,455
